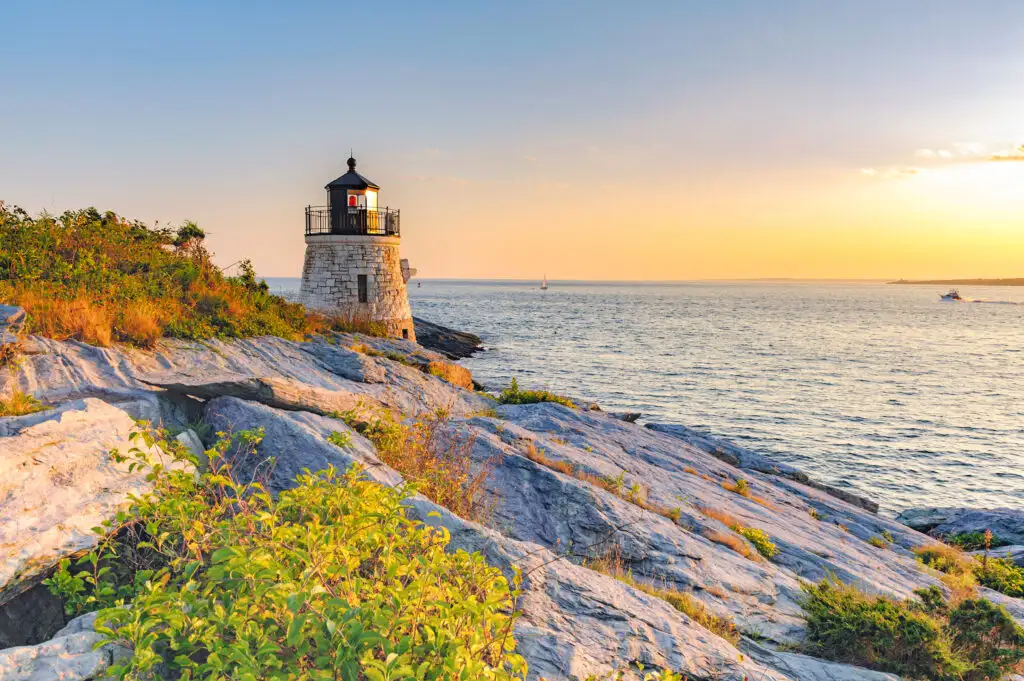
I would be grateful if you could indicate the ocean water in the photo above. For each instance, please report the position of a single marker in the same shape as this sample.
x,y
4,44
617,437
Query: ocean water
x,y
877,388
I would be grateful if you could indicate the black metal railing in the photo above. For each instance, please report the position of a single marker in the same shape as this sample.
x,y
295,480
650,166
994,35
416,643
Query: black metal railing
x,y
352,220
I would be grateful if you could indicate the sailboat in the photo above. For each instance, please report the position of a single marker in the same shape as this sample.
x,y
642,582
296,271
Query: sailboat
x,y
544,283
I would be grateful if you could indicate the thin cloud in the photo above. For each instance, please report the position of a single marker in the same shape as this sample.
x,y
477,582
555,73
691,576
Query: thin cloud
x,y
1013,154
892,173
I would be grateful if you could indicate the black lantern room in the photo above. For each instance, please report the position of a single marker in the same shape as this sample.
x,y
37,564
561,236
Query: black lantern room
x,y
352,208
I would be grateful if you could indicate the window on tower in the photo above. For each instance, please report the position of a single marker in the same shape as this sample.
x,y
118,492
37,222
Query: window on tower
x,y
362,283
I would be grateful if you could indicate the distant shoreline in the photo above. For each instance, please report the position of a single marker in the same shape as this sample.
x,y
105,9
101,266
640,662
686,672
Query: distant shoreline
x,y
963,282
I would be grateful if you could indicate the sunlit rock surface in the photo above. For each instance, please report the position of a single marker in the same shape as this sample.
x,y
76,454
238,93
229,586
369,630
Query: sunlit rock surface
x,y
544,461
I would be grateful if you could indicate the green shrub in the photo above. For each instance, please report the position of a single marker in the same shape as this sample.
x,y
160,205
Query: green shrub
x,y
19,403
100,278
878,542
340,439
1000,574
330,580
974,541
513,395
760,539
923,639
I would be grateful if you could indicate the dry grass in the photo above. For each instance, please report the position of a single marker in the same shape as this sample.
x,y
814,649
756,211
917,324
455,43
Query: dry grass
x,y
458,376
140,324
19,404
610,563
743,489
691,470
81,318
635,493
436,459
733,542
956,566
726,519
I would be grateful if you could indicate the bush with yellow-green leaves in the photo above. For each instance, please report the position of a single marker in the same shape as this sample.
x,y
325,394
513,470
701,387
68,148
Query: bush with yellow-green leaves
x,y
330,580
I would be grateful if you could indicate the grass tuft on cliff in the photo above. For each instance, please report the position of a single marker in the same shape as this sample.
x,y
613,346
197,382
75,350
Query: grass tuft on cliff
x,y
100,278
329,580
973,640
514,395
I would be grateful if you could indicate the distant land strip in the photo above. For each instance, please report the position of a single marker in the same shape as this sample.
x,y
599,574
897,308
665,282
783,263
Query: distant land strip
x,y
964,282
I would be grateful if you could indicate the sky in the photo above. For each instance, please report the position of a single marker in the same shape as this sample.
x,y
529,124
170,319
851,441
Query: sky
x,y
586,140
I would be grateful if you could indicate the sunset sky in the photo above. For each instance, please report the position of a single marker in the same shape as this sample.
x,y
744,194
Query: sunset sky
x,y
587,140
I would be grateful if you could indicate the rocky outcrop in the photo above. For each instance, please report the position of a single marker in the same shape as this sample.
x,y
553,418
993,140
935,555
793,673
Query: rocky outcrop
x,y
449,342
275,392
12,321
71,655
1007,524
740,457
58,480
570,484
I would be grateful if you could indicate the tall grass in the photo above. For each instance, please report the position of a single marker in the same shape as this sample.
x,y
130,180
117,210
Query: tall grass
x,y
100,278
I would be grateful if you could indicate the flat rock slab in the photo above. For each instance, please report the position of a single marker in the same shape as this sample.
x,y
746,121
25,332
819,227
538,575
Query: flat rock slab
x,y
273,391
1007,524
57,482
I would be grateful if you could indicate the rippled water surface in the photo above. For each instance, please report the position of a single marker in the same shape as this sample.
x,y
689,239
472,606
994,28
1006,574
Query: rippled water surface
x,y
879,388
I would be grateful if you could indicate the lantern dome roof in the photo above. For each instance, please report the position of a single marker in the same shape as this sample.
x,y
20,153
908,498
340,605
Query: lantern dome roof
x,y
352,179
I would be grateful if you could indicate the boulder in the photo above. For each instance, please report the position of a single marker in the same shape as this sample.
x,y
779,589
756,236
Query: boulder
x,y
1007,524
449,342
58,481
292,443
71,655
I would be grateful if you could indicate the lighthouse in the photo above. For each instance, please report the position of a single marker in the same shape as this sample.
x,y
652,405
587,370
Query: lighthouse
x,y
353,268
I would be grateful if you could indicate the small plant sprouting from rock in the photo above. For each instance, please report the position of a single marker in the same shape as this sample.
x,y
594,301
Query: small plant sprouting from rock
x,y
514,395
19,403
878,542
340,439
814,513
758,538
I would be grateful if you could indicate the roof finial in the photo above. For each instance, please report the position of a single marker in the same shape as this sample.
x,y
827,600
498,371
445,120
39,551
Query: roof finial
x,y
351,160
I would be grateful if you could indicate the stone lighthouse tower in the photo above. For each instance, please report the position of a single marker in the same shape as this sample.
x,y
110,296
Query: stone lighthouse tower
x,y
352,266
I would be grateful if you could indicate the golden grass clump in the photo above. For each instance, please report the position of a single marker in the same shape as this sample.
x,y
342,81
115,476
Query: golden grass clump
x,y
19,403
733,542
610,563
458,376
436,459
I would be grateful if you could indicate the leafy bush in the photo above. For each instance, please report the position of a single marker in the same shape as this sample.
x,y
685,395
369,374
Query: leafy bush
x,y
339,439
19,403
974,541
330,580
100,278
1000,574
926,639
513,395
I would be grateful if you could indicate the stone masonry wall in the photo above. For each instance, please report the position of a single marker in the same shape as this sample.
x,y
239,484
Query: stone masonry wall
x,y
330,280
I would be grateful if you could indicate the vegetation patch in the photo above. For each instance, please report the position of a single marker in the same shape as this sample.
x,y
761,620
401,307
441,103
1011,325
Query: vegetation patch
x,y
998,574
458,376
928,638
513,395
100,278
330,580
634,493
974,541
742,488
611,564
19,403
430,454
758,538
